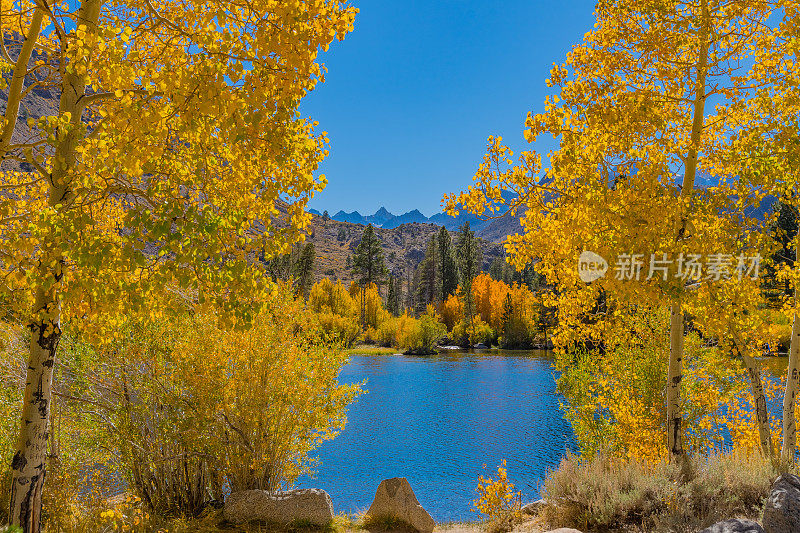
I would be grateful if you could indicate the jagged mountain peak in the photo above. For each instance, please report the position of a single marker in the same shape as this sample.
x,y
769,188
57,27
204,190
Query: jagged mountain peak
x,y
383,218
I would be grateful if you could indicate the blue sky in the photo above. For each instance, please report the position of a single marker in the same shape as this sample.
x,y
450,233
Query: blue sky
x,y
412,94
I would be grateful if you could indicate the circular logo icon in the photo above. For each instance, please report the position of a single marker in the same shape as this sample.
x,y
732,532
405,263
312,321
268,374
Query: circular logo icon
x,y
591,266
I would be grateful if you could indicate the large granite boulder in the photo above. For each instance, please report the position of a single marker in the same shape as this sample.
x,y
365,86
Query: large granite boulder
x,y
311,506
734,525
782,508
395,500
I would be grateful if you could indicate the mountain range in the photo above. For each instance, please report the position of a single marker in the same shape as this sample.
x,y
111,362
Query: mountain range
x,y
492,229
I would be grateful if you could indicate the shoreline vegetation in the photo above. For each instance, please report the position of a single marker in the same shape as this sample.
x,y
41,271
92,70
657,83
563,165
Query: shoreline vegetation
x,y
597,495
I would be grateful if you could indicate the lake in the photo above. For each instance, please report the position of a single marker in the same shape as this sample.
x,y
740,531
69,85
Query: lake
x,y
437,421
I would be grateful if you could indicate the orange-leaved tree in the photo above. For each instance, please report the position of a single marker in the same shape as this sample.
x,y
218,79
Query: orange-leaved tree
x,y
148,145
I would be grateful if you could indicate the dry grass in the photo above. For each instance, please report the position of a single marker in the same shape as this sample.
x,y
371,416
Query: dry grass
x,y
366,349
614,495
383,524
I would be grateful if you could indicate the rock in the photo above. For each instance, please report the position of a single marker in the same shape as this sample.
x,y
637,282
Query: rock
x,y
734,525
394,499
421,351
312,506
533,507
480,346
782,508
564,530
118,499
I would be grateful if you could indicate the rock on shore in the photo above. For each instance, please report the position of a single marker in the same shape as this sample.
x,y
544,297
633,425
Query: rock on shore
x,y
782,508
312,506
735,525
396,500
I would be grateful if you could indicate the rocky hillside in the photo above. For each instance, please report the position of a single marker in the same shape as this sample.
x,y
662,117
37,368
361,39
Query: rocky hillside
x,y
403,247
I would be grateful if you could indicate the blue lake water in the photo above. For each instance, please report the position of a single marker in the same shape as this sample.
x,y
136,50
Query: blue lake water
x,y
437,421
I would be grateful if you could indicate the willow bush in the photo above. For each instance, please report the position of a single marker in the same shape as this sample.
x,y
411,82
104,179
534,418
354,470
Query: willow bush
x,y
205,409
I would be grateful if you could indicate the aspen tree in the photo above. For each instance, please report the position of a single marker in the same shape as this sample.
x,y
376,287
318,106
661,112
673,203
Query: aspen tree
x,y
175,146
641,108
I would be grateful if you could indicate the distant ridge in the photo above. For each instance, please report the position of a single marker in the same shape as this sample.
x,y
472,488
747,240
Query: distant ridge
x,y
354,218
496,230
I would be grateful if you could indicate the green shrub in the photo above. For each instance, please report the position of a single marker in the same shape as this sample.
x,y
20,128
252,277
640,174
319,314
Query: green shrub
x,y
420,335
483,333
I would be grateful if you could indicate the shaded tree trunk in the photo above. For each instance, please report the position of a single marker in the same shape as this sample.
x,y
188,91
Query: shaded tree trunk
x,y
759,398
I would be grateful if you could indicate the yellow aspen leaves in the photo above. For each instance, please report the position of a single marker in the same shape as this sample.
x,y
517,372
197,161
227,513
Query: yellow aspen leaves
x,y
641,112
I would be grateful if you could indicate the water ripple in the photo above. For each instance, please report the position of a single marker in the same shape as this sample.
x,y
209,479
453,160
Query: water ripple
x,y
437,421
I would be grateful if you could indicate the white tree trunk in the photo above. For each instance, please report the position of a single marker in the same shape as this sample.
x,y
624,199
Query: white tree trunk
x,y
675,373
30,460
792,382
674,378
29,464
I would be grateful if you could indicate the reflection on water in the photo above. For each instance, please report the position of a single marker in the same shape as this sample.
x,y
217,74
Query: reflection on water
x,y
437,421
774,367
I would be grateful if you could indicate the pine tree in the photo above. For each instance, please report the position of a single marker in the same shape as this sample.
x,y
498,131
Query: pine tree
x,y
368,264
304,269
402,297
411,282
280,267
782,231
469,257
325,216
393,296
496,269
448,270
428,270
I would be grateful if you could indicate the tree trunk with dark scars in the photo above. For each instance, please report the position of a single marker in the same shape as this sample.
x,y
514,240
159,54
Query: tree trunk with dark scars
x,y
759,398
675,376
29,464
676,330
